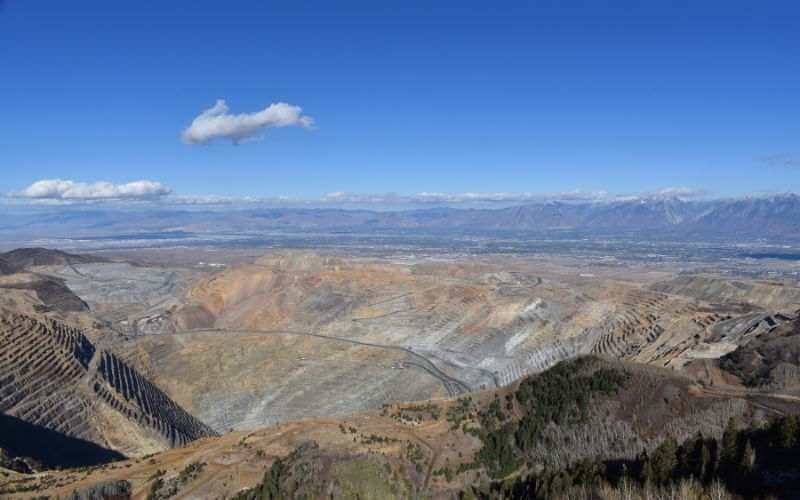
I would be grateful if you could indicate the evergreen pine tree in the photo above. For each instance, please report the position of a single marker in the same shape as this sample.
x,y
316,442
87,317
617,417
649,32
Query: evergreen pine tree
x,y
784,432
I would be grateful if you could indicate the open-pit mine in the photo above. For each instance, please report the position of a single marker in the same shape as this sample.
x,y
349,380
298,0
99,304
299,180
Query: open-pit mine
x,y
134,360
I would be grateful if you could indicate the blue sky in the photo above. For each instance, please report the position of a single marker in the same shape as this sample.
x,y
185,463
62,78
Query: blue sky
x,y
465,97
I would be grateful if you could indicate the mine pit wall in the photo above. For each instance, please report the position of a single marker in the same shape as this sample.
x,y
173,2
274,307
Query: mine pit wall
x,y
41,363
742,329
52,375
125,390
644,330
545,357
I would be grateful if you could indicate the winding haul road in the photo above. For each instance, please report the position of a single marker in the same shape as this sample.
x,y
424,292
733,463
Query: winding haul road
x,y
453,386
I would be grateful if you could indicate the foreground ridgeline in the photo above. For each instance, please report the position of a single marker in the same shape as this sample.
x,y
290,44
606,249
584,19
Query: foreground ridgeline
x,y
584,428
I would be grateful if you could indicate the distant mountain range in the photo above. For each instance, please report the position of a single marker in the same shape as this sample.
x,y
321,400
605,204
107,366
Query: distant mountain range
x,y
757,217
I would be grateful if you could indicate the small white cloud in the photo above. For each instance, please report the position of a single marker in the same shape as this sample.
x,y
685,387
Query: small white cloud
x,y
66,190
217,123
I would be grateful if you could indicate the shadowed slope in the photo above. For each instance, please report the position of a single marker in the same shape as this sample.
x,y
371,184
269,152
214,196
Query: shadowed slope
x,y
24,258
50,448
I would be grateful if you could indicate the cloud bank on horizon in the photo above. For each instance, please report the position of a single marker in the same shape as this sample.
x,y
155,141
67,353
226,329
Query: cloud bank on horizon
x,y
217,123
67,190
72,192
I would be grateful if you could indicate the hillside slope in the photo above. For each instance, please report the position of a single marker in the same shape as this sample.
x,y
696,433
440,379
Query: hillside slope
x,y
21,259
39,293
5,267
770,361
588,408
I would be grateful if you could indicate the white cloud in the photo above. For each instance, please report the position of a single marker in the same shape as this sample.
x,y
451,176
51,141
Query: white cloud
x,y
217,123
66,190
